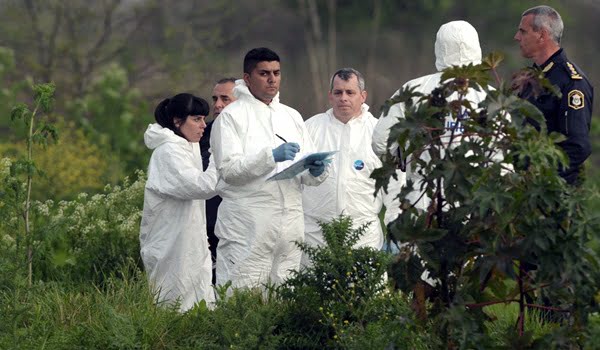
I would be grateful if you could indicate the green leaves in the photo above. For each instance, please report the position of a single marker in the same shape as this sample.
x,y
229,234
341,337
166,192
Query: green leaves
x,y
44,96
487,216
20,111
493,60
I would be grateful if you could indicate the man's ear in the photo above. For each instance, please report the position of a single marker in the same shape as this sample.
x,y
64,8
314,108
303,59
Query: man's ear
x,y
364,95
246,78
544,35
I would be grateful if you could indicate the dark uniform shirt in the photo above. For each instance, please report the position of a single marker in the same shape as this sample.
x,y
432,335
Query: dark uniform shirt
x,y
570,114
212,205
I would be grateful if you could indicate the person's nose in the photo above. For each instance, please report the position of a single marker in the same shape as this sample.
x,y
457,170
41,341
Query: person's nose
x,y
219,105
516,37
271,78
202,124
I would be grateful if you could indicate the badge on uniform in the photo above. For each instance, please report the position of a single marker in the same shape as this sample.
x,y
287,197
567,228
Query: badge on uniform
x,y
576,99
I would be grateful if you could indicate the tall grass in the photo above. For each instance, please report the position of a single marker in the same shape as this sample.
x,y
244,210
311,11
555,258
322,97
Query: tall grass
x,y
123,315
502,324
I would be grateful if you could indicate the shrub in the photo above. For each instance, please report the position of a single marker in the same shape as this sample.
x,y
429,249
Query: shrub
x,y
341,300
69,167
90,237
499,211
113,116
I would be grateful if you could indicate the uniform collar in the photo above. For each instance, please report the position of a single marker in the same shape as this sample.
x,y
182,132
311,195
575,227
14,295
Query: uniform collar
x,y
556,58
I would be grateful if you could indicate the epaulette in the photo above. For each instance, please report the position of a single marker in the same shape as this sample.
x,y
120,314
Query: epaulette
x,y
548,67
574,74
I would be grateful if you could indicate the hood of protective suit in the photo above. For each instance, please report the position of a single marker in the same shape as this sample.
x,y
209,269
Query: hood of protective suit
x,y
156,135
241,91
456,44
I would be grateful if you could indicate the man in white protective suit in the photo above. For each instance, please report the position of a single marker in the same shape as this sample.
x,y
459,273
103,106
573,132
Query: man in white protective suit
x,y
347,127
457,44
253,138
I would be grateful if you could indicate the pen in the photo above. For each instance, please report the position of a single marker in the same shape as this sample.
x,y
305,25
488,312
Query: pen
x,y
282,139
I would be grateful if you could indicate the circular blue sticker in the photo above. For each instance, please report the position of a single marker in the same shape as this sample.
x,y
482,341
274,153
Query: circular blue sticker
x,y
359,164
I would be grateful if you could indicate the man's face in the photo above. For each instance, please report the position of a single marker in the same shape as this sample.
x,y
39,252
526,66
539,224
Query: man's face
x,y
222,96
529,40
264,80
346,97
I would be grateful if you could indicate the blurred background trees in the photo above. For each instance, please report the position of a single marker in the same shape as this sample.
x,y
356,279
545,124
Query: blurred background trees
x,y
113,60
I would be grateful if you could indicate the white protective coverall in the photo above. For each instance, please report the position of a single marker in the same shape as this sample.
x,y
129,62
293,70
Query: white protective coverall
x,y
457,44
348,190
258,220
173,241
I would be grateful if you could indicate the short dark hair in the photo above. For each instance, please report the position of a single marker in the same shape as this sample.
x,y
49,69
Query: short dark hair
x,y
226,80
346,74
179,107
259,54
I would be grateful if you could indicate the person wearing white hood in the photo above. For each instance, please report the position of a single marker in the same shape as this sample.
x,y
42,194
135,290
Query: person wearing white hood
x,y
259,221
457,44
349,190
173,240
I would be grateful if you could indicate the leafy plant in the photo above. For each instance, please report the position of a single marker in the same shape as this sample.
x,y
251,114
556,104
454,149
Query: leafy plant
x,y
91,237
19,182
339,299
498,209
113,116
71,166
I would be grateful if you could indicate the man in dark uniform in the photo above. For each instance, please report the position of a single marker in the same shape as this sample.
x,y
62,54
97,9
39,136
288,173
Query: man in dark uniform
x,y
222,96
539,37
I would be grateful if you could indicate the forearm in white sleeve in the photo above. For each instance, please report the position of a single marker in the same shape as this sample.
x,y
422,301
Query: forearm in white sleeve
x,y
233,165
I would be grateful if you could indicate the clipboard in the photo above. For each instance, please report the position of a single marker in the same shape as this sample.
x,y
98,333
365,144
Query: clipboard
x,y
299,166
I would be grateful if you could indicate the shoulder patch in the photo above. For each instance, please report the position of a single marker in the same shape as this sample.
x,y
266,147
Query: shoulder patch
x,y
574,74
576,99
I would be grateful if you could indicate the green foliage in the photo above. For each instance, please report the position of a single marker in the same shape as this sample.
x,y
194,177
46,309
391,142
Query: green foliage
x,y
9,92
244,320
336,301
63,316
498,210
91,236
113,116
19,181
79,240
121,313
71,166
502,323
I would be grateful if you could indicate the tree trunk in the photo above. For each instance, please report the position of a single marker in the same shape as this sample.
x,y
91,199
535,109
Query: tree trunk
x,y
372,53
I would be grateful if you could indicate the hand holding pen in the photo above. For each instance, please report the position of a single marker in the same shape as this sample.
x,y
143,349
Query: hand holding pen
x,y
285,151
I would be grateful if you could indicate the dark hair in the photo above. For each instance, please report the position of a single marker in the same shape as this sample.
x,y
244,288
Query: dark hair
x,y
259,54
346,74
226,80
179,107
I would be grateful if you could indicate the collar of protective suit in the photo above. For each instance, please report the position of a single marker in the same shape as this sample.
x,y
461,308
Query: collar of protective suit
x,y
156,135
456,44
364,112
241,91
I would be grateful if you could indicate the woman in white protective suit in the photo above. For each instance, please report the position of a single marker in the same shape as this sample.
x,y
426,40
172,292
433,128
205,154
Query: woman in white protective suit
x,y
457,44
173,240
